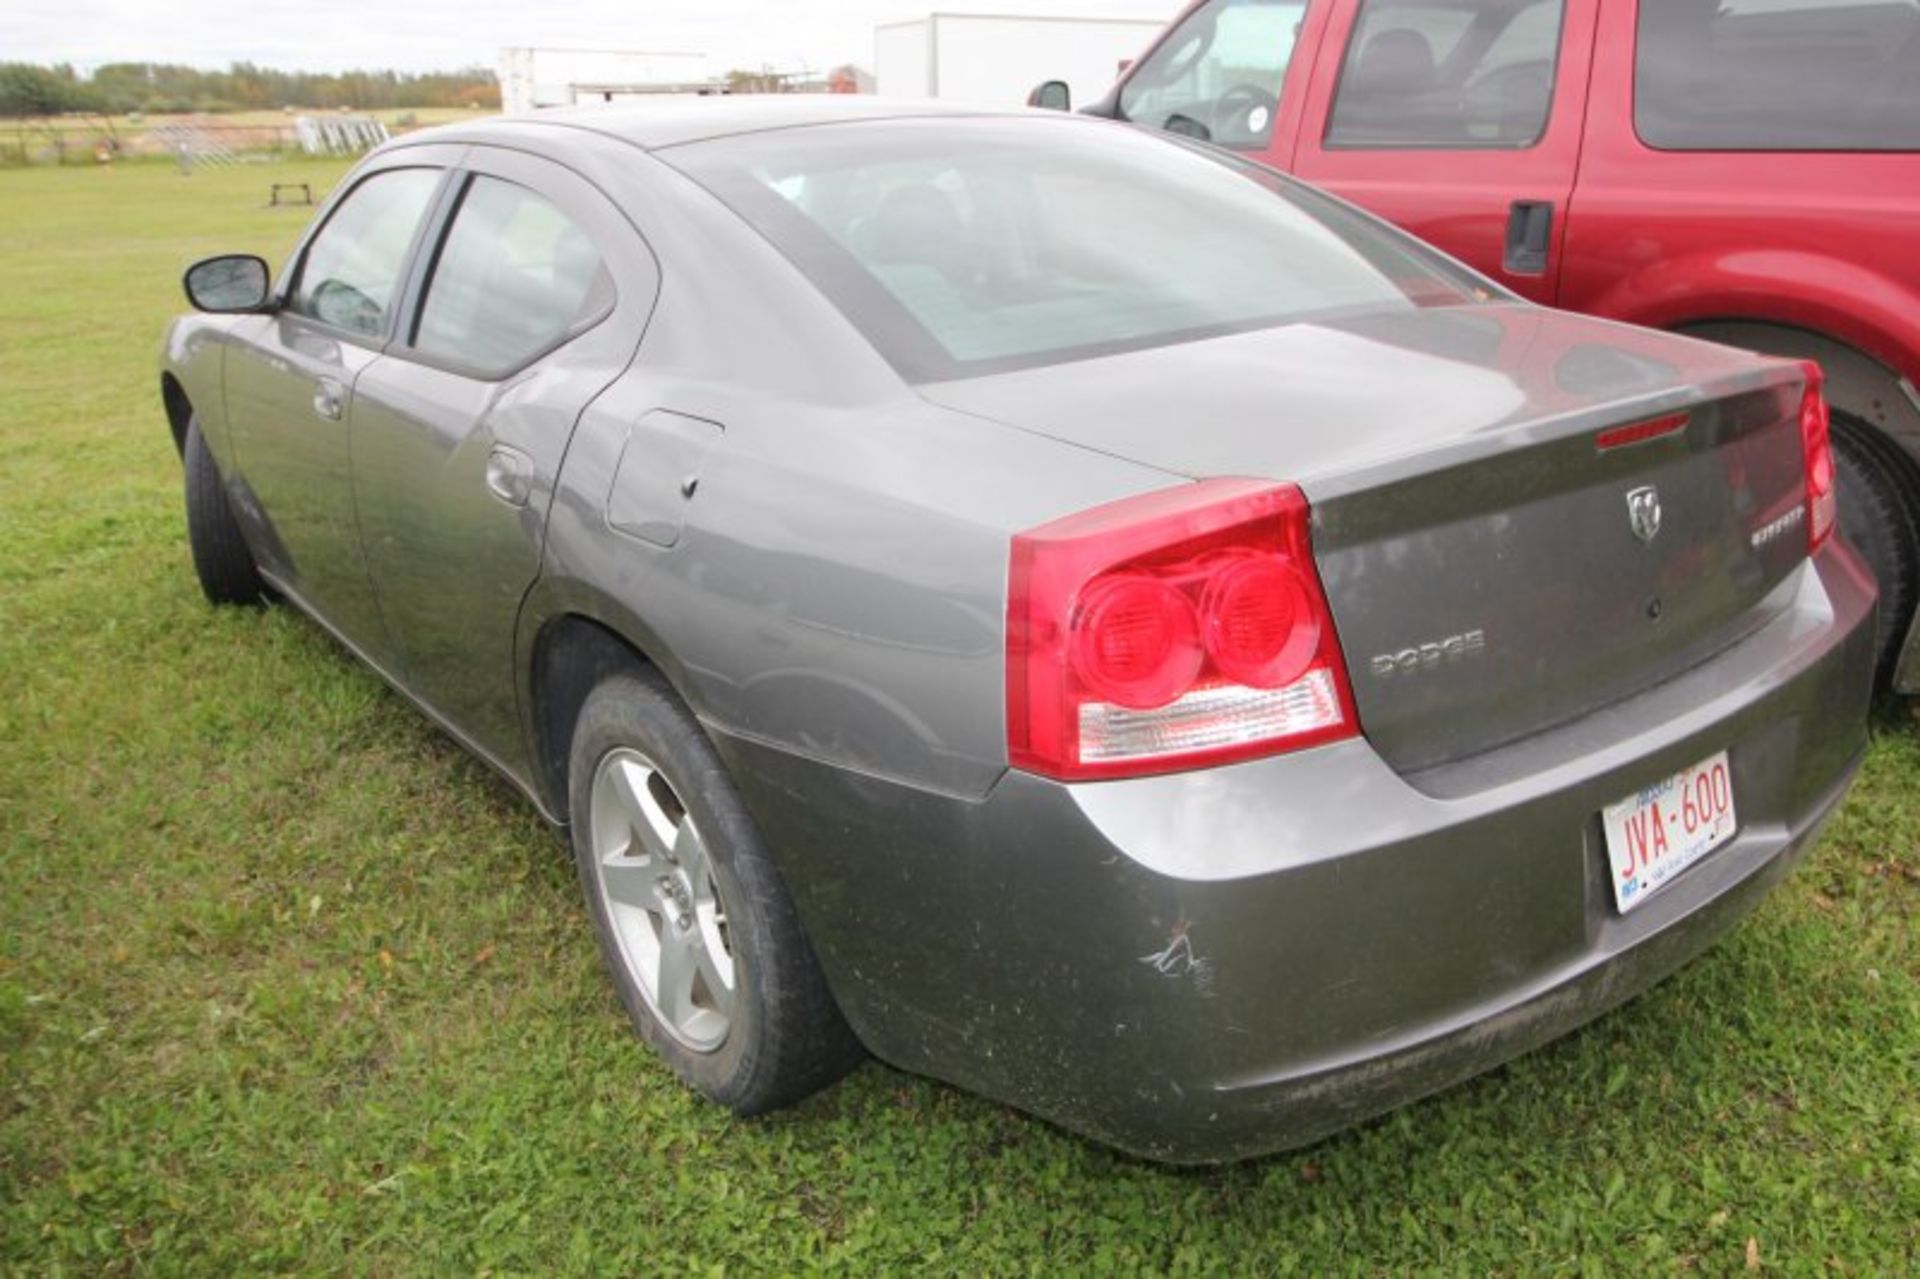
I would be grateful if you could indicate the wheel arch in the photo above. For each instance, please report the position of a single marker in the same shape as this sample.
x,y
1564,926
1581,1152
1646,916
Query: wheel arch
x,y
569,654
1858,384
179,410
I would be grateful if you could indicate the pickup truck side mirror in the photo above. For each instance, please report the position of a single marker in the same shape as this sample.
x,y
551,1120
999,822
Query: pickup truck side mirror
x,y
1051,95
234,283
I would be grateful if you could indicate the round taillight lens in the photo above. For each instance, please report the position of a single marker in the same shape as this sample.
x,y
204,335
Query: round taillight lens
x,y
1136,641
1260,629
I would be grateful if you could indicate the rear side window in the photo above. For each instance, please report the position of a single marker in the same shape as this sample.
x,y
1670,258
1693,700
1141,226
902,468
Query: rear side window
x,y
1218,76
1462,74
350,277
514,279
1778,75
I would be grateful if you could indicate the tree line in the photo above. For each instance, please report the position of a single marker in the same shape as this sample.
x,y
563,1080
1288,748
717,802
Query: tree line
x,y
28,89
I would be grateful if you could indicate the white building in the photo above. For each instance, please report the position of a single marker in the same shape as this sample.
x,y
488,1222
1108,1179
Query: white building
x,y
533,78
997,59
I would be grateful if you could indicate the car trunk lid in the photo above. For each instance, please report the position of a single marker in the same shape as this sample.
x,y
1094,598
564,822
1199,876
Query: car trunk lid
x,y
1484,599
1500,555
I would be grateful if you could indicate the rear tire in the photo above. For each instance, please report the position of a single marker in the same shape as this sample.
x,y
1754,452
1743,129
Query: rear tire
x,y
221,559
1877,517
694,921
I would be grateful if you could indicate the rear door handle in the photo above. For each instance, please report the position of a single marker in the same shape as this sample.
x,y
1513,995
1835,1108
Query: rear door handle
x,y
329,398
1529,237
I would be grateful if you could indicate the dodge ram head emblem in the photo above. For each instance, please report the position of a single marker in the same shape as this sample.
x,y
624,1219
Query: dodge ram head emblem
x,y
1643,513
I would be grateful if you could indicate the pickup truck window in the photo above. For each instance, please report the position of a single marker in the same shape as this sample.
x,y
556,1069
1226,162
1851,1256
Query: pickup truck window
x,y
1778,75
1217,77
1448,74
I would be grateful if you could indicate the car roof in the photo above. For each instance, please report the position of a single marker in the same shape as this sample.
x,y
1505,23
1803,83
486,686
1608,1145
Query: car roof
x,y
671,121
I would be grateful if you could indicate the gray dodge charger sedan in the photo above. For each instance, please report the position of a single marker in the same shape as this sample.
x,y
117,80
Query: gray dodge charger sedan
x,y
1063,610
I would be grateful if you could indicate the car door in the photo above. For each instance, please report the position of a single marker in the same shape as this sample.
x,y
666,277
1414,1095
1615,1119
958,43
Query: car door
x,y
1460,120
1757,162
532,301
289,378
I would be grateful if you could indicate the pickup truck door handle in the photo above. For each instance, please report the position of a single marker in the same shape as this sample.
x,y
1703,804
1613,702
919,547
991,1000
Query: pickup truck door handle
x,y
329,398
1529,237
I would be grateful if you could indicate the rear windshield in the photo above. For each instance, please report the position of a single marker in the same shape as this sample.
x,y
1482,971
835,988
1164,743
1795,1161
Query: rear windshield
x,y
961,247
1779,75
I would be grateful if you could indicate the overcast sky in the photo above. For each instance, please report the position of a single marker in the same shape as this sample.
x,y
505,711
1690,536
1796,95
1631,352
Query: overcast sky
x,y
418,35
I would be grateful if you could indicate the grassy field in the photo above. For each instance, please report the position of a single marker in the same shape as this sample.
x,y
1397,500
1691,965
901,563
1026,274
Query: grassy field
x,y
287,983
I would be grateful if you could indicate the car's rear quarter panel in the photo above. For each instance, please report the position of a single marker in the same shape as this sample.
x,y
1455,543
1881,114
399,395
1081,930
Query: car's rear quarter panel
x,y
838,589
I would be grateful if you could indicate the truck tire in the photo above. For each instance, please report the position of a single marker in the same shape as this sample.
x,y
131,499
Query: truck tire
x,y
1877,516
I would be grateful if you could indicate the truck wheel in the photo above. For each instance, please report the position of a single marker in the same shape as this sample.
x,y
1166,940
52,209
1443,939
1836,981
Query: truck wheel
x,y
694,921
1877,517
221,559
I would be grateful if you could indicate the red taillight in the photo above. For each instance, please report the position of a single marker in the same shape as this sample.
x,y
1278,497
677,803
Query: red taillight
x,y
1262,630
1167,631
1136,641
1823,506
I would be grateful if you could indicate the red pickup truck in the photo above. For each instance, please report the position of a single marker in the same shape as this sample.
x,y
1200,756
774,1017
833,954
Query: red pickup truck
x,y
1747,171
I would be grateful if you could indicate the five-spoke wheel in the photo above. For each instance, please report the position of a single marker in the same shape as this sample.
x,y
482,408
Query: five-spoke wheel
x,y
652,869
699,933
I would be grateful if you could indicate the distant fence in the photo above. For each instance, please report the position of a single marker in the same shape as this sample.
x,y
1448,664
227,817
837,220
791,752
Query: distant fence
x,y
192,145
198,140
338,135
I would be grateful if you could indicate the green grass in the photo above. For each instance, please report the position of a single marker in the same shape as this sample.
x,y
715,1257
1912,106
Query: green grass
x,y
288,983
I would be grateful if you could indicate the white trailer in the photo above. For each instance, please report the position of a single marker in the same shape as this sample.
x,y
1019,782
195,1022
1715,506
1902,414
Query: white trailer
x,y
532,78
997,59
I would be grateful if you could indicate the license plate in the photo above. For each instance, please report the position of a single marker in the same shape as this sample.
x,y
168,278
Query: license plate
x,y
1656,834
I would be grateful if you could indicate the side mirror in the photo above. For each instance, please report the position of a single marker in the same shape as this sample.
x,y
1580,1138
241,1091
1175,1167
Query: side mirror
x,y
234,283
1051,95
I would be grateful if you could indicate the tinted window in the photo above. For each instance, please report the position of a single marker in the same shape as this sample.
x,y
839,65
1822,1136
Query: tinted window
x,y
1447,73
513,279
351,275
1779,75
962,247
1218,76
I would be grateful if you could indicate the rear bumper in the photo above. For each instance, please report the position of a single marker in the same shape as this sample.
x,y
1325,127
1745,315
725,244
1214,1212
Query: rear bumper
x,y
1218,964
1293,1106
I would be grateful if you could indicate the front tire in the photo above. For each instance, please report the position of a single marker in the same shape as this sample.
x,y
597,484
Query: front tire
x,y
693,919
1876,517
221,559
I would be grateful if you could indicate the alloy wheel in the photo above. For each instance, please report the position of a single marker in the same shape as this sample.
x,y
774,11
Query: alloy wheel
x,y
655,879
